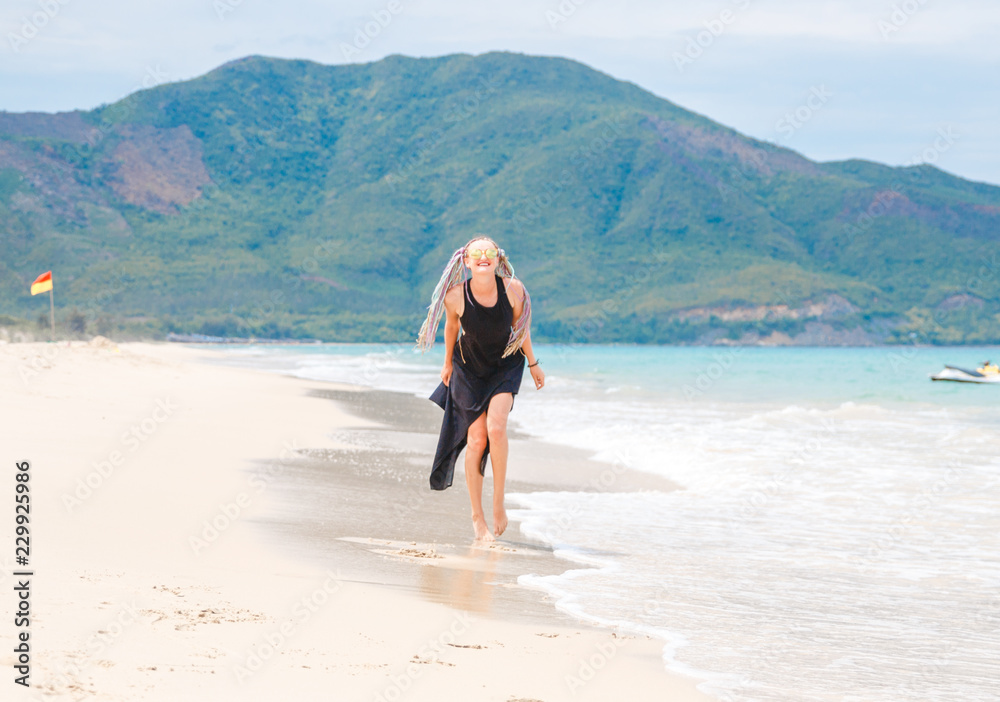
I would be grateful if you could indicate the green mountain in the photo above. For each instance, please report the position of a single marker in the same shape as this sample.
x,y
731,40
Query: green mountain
x,y
285,198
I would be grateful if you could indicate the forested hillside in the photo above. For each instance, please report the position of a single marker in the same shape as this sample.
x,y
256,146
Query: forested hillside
x,y
281,198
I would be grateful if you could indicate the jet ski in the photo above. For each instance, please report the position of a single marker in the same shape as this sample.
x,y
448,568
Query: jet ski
x,y
987,373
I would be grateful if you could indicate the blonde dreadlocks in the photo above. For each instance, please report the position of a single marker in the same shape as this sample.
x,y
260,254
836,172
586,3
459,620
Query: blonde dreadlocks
x,y
454,273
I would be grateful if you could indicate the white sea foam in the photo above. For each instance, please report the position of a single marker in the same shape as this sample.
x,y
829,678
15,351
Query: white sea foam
x,y
839,542
838,539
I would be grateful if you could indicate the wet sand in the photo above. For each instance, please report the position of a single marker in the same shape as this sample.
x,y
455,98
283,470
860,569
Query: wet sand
x,y
222,533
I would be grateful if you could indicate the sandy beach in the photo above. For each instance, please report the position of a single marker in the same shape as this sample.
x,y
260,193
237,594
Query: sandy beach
x,y
219,533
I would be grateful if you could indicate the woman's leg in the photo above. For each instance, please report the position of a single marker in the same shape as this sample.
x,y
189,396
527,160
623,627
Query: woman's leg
x,y
474,448
496,430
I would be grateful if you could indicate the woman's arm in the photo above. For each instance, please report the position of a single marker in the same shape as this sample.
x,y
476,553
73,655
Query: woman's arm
x,y
526,348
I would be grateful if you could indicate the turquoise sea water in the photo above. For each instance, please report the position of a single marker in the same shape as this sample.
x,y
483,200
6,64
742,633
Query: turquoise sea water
x,y
837,531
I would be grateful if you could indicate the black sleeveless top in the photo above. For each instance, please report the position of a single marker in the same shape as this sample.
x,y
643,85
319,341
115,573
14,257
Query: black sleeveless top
x,y
479,373
485,333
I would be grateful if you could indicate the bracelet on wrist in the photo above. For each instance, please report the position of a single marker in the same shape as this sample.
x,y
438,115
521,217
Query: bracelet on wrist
x,y
537,361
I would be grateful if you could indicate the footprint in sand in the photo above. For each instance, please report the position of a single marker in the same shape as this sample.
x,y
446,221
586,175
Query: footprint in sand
x,y
417,553
171,590
427,661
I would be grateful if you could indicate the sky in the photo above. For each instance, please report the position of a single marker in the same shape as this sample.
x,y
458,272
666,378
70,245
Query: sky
x,y
894,81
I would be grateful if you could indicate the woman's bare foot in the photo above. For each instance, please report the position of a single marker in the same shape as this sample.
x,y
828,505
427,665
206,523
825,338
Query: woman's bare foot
x,y
482,530
499,520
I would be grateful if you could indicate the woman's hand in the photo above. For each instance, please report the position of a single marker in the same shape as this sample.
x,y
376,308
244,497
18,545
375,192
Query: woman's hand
x,y
538,375
446,373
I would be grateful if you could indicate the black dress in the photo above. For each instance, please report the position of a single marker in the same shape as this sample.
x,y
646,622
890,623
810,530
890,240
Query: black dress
x,y
478,374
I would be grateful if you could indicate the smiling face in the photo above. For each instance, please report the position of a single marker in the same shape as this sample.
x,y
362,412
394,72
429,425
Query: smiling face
x,y
483,265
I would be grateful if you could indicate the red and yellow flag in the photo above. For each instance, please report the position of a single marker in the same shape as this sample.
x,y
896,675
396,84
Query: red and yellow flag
x,y
43,283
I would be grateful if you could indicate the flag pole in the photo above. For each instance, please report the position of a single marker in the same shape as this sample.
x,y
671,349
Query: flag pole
x,y
52,315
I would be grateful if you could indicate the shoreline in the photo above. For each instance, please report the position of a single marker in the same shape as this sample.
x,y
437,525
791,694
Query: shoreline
x,y
193,566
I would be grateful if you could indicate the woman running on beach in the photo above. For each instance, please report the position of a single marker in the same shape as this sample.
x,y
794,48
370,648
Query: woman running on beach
x,y
482,370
